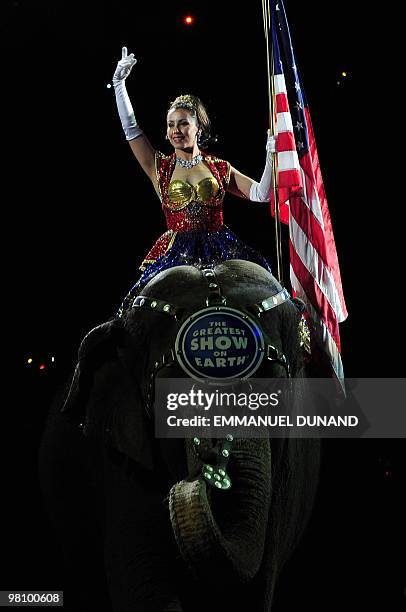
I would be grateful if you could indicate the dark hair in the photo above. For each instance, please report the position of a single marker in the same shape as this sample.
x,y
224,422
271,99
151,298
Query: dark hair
x,y
196,108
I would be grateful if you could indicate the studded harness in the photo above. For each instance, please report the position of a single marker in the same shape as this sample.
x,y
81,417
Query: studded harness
x,y
216,301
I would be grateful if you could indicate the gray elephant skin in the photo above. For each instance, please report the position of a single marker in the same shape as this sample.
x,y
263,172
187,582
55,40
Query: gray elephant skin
x,y
107,481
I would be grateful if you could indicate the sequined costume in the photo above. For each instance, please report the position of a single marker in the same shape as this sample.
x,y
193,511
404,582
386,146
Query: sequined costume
x,y
196,233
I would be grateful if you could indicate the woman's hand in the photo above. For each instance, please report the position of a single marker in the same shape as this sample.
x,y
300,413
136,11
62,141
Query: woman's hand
x,y
271,143
124,66
140,145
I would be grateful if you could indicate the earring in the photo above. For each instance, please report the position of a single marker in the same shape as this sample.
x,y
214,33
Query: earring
x,y
166,137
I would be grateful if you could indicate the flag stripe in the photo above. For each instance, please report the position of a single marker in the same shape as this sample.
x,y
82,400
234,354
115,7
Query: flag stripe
x,y
315,295
279,83
282,105
286,142
284,123
315,272
288,160
286,179
310,194
315,265
329,236
324,337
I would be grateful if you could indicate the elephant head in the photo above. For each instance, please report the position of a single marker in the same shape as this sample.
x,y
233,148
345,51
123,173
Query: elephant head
x,y
249,531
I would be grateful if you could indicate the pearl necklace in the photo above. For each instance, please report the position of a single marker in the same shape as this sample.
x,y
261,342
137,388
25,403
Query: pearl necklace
x,y
189,164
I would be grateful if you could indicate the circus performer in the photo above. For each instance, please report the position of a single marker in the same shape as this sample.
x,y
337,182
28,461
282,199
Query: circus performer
x,y
191,186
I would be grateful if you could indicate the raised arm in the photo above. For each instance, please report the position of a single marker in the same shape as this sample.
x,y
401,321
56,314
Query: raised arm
x,y
139,143
245,187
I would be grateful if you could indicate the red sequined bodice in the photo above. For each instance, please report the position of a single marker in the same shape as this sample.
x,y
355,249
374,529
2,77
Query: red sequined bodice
x,y
189,208
195,216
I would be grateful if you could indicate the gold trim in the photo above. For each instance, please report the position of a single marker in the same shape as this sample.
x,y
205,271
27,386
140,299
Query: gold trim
x,y
212,160
148,262
171,241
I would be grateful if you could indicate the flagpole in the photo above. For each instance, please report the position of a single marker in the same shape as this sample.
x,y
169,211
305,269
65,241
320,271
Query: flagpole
x,y
271,101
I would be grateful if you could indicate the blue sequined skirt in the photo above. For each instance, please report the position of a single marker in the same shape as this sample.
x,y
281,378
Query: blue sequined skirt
x,y
199,248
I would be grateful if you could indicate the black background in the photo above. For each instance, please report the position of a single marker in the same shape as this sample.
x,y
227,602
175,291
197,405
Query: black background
x,y
79,215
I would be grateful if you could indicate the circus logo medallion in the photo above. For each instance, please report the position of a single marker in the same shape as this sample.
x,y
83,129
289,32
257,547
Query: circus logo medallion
x,y
219,343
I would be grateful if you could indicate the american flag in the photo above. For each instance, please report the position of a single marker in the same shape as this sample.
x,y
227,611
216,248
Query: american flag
x,y
314,269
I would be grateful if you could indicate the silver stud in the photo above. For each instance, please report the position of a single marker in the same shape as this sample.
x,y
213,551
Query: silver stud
x,y
209,468
207,475
153,304
229,437
218,484
213,286
225,452
216,476
167,307
141,302
222,472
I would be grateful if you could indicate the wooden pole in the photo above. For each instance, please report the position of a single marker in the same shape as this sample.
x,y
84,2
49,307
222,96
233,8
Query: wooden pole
x,y
266,13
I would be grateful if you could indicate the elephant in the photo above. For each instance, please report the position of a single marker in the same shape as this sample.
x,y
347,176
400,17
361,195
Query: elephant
x,y
134,508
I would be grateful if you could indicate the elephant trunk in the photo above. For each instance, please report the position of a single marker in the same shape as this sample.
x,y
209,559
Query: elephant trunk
x,y
225,530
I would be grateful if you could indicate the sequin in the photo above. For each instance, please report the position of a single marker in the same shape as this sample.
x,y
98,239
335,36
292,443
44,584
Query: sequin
x,y
196,234
201,249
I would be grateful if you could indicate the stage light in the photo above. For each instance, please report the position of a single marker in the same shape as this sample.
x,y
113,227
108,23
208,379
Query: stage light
x,y
53,359
188,20
42,366
108,85
29,360
344,74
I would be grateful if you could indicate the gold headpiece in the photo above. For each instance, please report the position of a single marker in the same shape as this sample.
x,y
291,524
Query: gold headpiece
x,y
187,101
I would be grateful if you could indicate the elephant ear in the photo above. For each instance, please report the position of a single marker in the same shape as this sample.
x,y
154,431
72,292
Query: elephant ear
x,y
115,413
105,398
98,346
225,530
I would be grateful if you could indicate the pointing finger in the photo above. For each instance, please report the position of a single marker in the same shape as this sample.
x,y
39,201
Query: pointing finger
x,y
123,52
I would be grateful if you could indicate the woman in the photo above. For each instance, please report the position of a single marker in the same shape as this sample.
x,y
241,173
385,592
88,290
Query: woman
x,y
191,186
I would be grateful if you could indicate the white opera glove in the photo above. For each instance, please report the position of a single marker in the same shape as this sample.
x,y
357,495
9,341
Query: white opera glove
x,y
124,106
261,192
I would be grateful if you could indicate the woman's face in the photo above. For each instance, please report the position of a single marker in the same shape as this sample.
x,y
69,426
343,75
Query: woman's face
x,y
182,128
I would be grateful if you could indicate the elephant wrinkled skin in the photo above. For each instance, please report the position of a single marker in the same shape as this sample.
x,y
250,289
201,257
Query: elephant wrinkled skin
x,y
143,494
